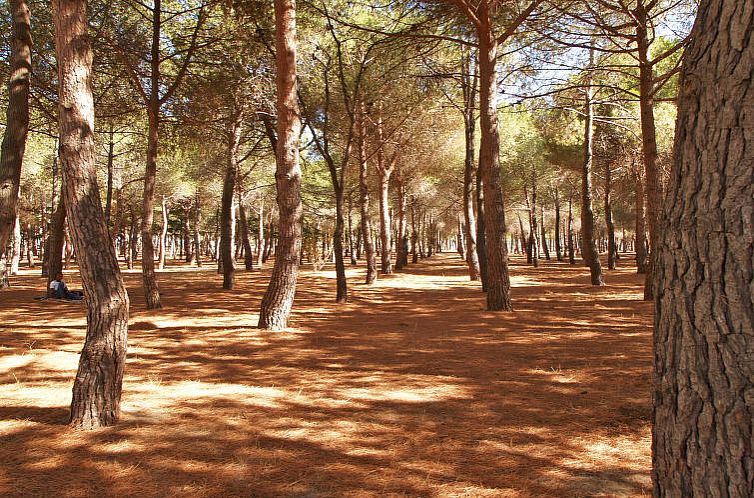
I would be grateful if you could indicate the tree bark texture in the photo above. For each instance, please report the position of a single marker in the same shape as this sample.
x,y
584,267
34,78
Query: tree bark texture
x,y
498,281
16,123
703,439
278,299
97,388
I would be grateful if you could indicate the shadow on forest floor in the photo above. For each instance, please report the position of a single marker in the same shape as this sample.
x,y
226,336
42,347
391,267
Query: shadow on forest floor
x,y
410,389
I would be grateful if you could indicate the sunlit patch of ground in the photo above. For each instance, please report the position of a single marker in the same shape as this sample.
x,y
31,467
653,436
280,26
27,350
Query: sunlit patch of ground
x,y
410,389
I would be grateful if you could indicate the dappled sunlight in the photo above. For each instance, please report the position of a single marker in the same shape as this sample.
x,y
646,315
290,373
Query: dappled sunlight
x,y
410,389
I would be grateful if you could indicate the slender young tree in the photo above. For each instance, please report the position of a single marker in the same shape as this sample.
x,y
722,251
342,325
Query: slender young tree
x,y
16,128
278,299
98,384
703,440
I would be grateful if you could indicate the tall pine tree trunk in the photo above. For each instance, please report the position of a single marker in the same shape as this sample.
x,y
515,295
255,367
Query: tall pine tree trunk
x,y
366,224
612,251
227,218
588,243
470,167
278,299
16,126
703,439
98,384
558,247
641,226
498,281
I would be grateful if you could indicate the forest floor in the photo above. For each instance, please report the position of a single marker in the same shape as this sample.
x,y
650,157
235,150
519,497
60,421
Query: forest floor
x,y
411,389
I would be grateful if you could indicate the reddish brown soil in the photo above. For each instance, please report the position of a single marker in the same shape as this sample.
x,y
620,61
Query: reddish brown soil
x,y
411,389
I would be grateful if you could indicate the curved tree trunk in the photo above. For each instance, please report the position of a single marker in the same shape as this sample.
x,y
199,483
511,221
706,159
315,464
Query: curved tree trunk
x,y
278,299
97,388
498,281
703,440
16,126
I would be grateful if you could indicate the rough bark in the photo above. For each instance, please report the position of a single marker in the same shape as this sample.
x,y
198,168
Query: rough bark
x,y
470,167
498,281
703,440
16,125
97,388
278,299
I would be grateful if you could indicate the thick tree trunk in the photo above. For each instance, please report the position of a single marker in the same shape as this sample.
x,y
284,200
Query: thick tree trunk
x,y
703,439
227,212
97,388
16,126
498,281
588,244
366,224
278,299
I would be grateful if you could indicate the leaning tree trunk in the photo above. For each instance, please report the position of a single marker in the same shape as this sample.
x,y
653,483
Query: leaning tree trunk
x,y
16,126
589,246
97,388
498,281
278,299
703,439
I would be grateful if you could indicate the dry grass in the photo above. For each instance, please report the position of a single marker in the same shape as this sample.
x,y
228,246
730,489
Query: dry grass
x,y
411,389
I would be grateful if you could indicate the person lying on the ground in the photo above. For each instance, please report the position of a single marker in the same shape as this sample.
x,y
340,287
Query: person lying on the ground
x,y
59,290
